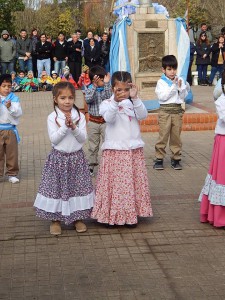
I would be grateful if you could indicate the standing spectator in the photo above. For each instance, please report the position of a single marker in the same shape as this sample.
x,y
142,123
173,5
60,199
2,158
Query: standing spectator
x,y
34,39
24,50
59,53
202,59
192,52
43,49
110,33
74,49
87,39
7,53
204,29
104,51
92,54
218,51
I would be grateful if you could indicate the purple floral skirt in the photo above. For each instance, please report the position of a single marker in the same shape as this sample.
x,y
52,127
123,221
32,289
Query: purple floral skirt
x,y
66,191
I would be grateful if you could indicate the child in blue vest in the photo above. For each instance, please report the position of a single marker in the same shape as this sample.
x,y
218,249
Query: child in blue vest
x,y
10,111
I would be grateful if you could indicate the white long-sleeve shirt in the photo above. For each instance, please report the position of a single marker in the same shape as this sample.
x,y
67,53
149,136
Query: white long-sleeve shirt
x,y
171,94
220,109
10,115
122,127
63,138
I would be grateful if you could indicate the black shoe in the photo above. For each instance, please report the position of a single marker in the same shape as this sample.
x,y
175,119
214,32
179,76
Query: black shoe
x,y
204,83
158,164
175,164
130,225
210,83
91,171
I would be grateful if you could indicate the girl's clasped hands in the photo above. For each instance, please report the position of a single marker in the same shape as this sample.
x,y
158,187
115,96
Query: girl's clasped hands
x,y
69,123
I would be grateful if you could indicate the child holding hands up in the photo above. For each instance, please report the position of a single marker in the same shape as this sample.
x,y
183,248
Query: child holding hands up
x,y
122,190
65,193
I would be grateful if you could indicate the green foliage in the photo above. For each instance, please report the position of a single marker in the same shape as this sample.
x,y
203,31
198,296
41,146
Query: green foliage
x,y
6,13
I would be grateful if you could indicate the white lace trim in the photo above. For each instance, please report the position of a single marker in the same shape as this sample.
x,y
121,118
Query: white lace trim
x,y
214,191
65,207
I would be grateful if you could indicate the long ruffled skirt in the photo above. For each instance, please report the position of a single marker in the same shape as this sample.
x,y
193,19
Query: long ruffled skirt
x,y
212,196
66,192
122,189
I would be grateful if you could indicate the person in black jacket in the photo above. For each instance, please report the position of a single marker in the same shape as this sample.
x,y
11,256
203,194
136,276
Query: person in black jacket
x,y
192,52
74,49
92,54
43,50
24,50
203,58
217,60
59,53
104,45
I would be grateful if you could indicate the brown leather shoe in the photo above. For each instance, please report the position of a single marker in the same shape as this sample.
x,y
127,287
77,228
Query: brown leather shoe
x,y
80,226
55,228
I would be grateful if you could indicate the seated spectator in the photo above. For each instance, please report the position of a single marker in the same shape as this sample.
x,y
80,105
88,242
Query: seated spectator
x,y
15,82
84,79
55,78
21,75
68,77
29,83
43,82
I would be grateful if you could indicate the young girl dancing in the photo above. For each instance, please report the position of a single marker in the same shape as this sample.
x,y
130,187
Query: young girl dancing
x,y
65,193
212,196
122,190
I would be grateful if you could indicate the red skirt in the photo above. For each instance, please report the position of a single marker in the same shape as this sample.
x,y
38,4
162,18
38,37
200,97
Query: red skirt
x,y
122,189
212,196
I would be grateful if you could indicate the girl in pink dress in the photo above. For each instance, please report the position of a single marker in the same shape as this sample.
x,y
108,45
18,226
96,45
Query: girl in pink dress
x,y
212,196
122,190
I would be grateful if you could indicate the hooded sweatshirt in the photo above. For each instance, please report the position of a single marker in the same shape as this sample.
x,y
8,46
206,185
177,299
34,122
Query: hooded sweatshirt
x,y
7,48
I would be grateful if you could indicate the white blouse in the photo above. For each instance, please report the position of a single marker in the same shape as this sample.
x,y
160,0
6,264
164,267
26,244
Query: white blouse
x,y
63,138
122,127
171,94
220,109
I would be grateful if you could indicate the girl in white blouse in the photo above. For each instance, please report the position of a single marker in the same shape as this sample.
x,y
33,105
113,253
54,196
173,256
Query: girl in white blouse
x,y
212,196
65,193
122,190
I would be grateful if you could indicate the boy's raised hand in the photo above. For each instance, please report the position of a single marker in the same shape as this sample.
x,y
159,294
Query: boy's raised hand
x,y
107,78
133,91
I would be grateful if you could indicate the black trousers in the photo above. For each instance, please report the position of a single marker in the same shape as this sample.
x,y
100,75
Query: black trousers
x,y
75,69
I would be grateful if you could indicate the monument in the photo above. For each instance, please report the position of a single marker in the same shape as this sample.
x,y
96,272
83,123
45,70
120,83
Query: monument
x,y
149,38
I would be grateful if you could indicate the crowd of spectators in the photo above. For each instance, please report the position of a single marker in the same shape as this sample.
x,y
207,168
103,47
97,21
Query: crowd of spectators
x,y
28,57
208,51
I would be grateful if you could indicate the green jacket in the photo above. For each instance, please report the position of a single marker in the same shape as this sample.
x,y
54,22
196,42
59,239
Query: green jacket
x,y
7,50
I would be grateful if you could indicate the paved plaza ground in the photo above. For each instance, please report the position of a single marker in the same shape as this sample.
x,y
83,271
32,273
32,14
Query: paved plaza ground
x,y
169,256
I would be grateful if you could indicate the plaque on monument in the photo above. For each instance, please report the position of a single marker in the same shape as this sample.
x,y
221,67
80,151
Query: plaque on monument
x,y
151,51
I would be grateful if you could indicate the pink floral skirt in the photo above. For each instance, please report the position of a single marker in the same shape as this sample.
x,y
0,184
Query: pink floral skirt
x,y
122,189
212,196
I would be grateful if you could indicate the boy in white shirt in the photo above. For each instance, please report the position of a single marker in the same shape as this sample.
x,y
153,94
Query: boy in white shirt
x,y
10,111
171,92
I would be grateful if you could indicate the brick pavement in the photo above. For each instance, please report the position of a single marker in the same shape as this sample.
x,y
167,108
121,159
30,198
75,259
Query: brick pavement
x,y
170,256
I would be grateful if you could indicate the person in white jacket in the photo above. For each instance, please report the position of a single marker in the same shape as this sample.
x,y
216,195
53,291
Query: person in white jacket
x,y
66,192
10,111
122,190
212,196
171,92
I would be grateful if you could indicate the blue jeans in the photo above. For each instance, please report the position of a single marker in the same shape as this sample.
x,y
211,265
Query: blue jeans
x,y
43,64
59,65
202,72
25,65
219,69
7,66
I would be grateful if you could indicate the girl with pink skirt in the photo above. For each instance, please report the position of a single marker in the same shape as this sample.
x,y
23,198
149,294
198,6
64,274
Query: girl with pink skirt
x,y
212,196
122,190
